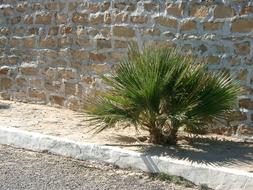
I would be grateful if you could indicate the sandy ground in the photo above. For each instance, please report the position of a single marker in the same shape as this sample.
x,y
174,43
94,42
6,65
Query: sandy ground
x,y
210,150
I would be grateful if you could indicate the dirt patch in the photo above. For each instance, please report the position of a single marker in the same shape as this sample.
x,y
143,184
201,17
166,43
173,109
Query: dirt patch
x,y
214,150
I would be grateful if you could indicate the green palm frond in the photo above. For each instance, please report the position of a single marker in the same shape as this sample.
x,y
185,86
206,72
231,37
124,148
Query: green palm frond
x,y
152,87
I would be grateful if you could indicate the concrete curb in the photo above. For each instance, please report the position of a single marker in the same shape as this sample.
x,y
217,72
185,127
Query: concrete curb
x,y
214,177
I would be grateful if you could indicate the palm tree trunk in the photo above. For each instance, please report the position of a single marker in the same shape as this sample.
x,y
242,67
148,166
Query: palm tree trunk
x,y
157,137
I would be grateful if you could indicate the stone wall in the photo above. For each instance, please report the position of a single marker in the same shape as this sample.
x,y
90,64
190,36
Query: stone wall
x,y
53,51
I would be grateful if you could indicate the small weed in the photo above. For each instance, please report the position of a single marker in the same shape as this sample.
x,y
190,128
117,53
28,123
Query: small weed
x,y
173,179
204,187
178,180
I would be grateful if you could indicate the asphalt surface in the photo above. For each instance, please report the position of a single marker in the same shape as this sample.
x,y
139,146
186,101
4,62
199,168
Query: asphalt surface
x,y
22,169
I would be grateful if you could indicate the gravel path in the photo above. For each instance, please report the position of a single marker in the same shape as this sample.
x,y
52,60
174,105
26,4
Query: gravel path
x,y
21,169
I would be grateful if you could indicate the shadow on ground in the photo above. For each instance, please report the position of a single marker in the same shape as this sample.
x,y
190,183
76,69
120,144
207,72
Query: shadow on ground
x,y
4,106
207,150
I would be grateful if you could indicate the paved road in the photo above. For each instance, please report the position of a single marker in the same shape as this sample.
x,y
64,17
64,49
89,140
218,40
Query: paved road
x,y
21,169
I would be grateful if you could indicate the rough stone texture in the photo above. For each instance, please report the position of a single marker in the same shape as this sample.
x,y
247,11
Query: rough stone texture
x,y
63,41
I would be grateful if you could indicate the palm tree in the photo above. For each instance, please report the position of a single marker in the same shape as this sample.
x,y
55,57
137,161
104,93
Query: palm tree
x,y
161,90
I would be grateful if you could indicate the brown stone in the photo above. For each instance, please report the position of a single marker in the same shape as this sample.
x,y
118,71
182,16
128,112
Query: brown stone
x,y
3,41
114,57
242,48
222,11
21,81
29,42
213,59
50,73
199,11
150,6
20,95
36,6
65,41
4,70
62,19
234,61
5,83
51,6
43,18
212,25
237,116
5,30
49,54
67,73
139,19
7,11
33,31
79,54
93,31
246,103
12,60
72,6
28,19
105,6
131,7
88,79
74,103
100,68
48,42
36,95
97,57
96,19
106,32
244,129
84,42
19,31
54,86
70,88
53,30
107,18
123,31
29,70
66,30
242,25
249,61
246,10
58,100
120,5
22,7
120,44
166,22
189,25
175,10
15,20
121,17
103,43
5,95
242,75
152,32
35,83
80,18
94,7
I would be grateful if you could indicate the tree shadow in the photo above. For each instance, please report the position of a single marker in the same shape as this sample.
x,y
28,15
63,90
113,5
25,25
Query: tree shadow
x,y
208,151
128,140
204,150
4,106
